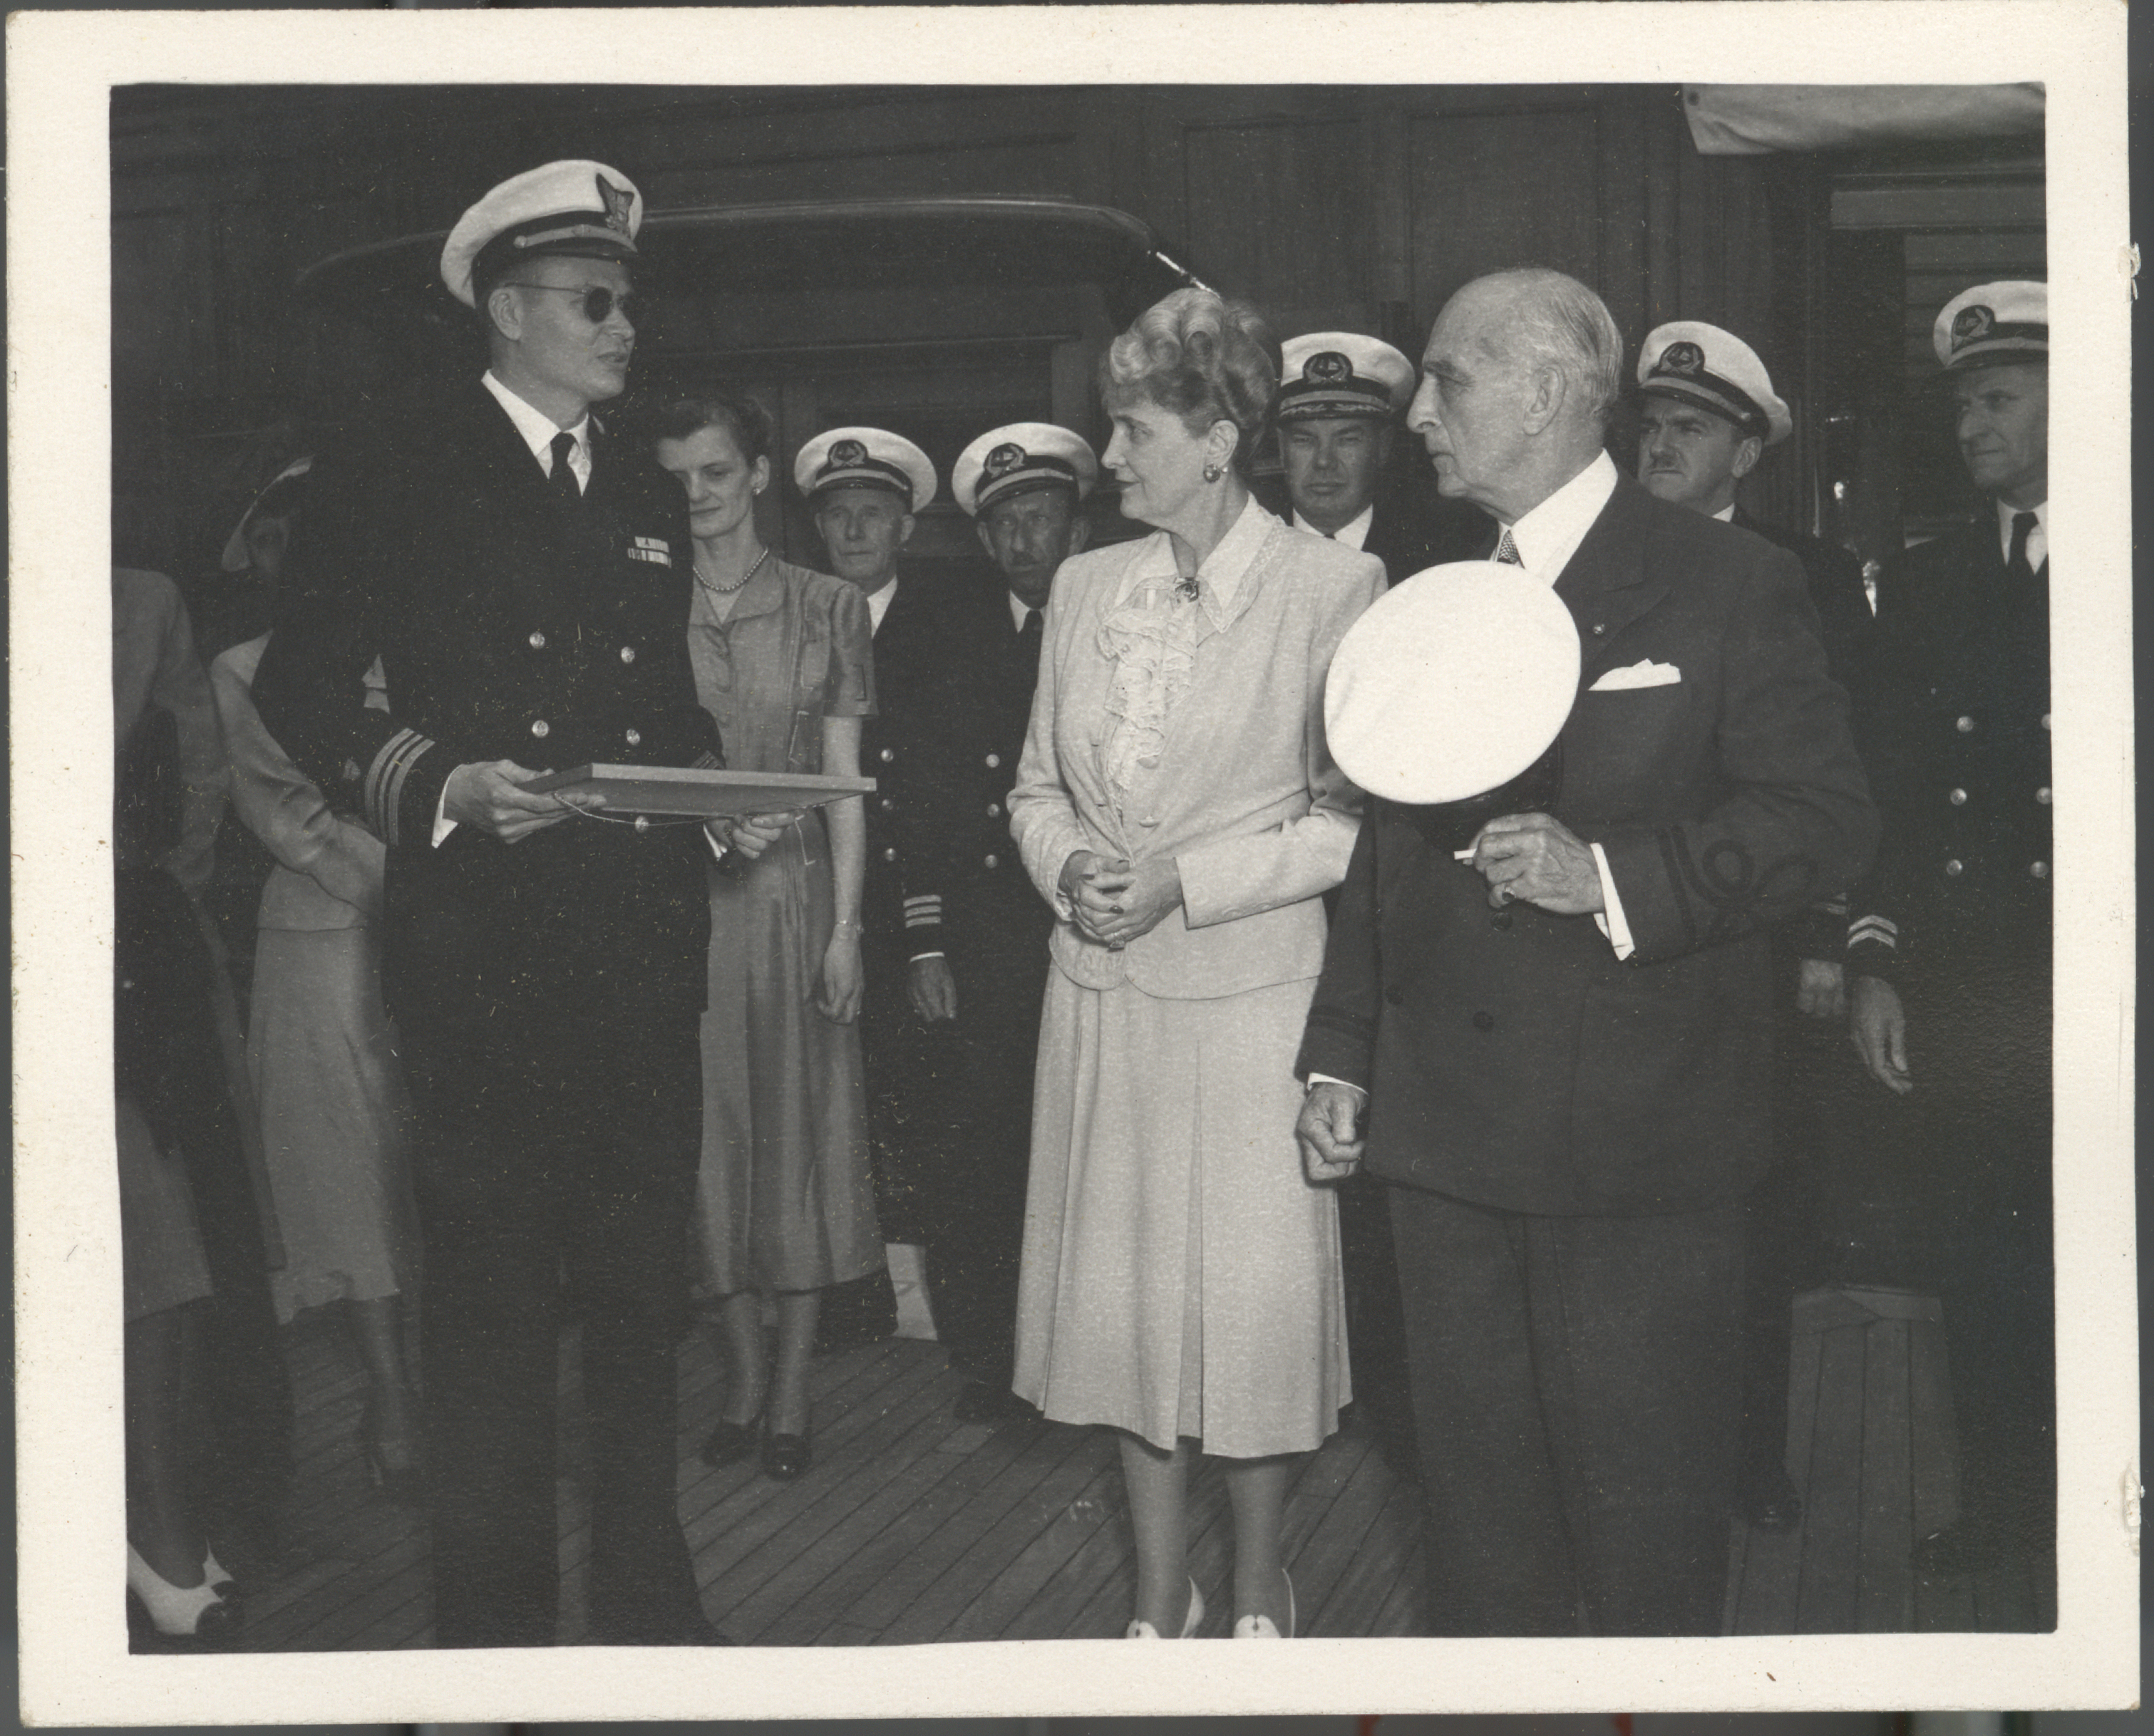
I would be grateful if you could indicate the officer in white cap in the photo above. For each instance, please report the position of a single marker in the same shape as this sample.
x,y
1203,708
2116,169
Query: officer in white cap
x,y
864,488
1950,948
522,580
1024,485
1706,413
1340,395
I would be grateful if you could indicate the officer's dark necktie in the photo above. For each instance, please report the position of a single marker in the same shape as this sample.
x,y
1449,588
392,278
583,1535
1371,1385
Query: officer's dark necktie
x,y
2023,525
564,478
1028,644
1507,551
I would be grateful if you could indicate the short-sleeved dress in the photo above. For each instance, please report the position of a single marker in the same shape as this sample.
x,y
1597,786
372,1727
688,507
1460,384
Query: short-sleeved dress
x,y
783,1200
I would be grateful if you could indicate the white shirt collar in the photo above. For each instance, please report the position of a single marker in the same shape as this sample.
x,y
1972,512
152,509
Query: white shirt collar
x,y
879,603
1220,574
1547,537
2037,540
1354,533
539,429
1019,608
1726,515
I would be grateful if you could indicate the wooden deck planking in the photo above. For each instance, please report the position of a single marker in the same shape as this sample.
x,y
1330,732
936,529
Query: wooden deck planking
x,y
913,1527
915,1521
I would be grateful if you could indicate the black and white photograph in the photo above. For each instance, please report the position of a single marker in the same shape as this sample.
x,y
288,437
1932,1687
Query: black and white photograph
x,y
927,828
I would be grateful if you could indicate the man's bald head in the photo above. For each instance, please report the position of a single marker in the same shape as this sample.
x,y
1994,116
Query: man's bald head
x,y
1520,375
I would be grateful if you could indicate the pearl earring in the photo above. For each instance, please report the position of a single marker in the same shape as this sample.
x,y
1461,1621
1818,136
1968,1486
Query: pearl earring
x,y
1212,473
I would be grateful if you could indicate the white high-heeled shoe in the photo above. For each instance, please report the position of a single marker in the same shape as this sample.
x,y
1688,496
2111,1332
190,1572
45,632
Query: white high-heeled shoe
x,y
1262,1627
1141,1630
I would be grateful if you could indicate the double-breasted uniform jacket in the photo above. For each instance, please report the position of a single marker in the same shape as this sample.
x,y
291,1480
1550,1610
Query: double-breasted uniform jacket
x,y
901,901
1845,624
1513,1060
1835,579
509,626
1956,734
994,925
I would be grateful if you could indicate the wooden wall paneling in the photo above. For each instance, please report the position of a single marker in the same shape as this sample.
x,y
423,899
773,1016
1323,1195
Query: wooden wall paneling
x,y
1500,187
1628,119
1278,213
1385,152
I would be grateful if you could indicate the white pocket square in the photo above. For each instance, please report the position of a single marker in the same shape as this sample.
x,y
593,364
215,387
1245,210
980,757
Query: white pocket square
x,y
1645,674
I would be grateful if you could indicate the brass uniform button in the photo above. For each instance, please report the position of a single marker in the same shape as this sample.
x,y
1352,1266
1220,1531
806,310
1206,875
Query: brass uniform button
x,y
538,641
2042,795
886,756
1965,726
643,822
1955,868
885,803
993,810
891,855
635,738
994,861
2040,871
993,761
1957,798
628,654
542,729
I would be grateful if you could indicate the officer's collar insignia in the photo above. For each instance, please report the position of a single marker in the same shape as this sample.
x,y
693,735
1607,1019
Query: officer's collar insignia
x,y
1328,368
1004,458
618,203
1972,322
845,452
1682,358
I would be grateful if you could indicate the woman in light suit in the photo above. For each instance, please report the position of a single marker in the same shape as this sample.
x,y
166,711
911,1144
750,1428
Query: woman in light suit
x,y
1178,807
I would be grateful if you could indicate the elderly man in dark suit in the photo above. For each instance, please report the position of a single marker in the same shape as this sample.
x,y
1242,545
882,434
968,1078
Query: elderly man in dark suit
x,y
524,582
1561,1047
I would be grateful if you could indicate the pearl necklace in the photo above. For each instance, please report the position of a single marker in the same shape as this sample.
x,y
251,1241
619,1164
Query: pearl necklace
x,y
717,590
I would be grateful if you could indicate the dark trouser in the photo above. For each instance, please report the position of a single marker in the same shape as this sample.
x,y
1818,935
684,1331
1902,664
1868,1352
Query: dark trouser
x,y
1577,1386
1376,1331
573,1158
974,1195
1969,1151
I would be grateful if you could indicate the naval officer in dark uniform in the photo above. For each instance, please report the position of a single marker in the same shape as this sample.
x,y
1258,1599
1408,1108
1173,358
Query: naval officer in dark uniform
x,y
524,580
864,487
1706,413
1340,398
1949,951
1024,485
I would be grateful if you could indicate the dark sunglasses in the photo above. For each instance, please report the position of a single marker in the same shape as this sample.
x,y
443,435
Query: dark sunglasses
x,y
599,301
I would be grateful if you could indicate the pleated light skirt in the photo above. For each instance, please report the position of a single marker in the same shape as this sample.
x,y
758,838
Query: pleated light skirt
x,y
1181,1277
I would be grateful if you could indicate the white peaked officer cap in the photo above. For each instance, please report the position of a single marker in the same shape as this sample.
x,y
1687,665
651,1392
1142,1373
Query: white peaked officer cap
x,y
1341,373
1018,458
235,559
1994,323
1452,683
865,458
1715,370
577,208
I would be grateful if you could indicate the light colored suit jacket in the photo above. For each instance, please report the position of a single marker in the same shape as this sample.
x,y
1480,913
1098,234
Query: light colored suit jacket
x,y
1246,799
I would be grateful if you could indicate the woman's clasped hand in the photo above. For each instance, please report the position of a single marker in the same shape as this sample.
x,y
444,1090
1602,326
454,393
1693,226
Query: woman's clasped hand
x,y
1113,900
